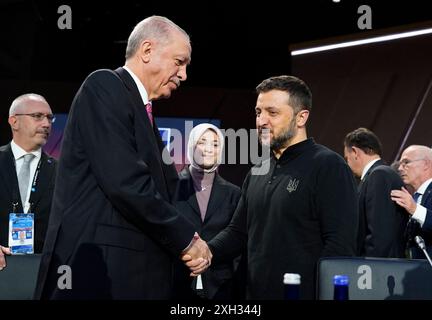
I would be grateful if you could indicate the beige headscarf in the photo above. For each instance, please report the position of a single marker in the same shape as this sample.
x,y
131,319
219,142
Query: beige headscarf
x,y
194,136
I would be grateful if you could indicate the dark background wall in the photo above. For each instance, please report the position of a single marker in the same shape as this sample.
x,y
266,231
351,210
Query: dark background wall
x,y
235,46
383,86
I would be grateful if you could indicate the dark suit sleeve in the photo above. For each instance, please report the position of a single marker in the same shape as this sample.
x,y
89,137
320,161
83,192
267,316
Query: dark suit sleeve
x,y
337,208
105,115
231,241
383,224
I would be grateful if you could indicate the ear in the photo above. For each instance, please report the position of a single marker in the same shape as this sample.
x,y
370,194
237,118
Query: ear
x,y
13,122
145,50
428,165
302,118
356,151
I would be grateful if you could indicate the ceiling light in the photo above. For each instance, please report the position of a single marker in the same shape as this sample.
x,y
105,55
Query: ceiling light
x,y
362,42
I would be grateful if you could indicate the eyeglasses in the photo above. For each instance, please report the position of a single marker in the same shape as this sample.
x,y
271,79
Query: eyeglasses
x,y
406,162
38,116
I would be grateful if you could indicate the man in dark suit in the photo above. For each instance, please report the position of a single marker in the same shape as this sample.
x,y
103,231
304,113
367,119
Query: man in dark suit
x,y
297,206
112,220
415,167
30,118
208,201
382,222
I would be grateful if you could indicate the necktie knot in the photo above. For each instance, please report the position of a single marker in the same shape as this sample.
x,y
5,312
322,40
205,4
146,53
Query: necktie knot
x,y
28,157
149,110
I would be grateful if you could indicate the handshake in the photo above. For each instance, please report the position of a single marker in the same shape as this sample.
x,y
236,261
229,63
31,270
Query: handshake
x,y
197,256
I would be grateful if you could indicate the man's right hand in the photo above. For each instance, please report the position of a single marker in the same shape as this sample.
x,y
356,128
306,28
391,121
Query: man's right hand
x,y
3,251
197,257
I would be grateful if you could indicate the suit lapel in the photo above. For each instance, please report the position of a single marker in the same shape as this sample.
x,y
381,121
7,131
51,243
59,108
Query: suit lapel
x,y
170,177
188,191
47,169
8,175
427,196
216,197
135,95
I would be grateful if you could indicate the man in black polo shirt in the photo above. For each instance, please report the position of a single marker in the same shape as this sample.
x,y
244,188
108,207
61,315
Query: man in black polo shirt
x,y
297,206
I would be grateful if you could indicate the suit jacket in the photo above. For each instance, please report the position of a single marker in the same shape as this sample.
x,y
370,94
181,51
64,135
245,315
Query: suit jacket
x,y
222,204
427,203
112,221
382,221
41,198
414,229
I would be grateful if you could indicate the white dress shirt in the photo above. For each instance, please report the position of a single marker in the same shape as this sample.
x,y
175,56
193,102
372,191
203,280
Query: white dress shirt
x,y
141,89
19,154
420,214
367,167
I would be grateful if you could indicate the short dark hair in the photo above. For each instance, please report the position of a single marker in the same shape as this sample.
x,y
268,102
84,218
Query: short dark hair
x,y
365,140
300,96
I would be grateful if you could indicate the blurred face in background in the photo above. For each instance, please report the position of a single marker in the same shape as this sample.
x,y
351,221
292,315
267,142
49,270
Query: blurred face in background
x,y
31,125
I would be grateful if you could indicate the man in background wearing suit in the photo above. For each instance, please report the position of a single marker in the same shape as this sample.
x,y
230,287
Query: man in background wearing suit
x,y
113,222
415,167
382,222
30,118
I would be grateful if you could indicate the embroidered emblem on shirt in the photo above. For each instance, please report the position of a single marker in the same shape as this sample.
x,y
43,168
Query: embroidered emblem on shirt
x,y
292,185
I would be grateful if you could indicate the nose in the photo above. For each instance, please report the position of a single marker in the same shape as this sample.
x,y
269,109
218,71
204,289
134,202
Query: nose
x,y
208,148
261,120
182,74
46,123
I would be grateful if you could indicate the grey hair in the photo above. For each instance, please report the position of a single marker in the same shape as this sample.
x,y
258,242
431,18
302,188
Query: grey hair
x,y
154,27
20,102
424,151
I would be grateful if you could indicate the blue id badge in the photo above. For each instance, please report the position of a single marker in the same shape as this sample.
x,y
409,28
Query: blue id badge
x,y
21,233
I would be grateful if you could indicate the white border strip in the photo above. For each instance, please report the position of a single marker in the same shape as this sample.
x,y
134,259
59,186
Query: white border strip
x,y
363,41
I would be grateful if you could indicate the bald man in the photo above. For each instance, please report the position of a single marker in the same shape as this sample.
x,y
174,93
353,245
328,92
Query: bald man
x,y
415,167
30,119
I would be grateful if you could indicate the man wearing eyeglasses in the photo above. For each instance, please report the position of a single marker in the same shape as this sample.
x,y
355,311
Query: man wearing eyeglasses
x,y
415,167
26,172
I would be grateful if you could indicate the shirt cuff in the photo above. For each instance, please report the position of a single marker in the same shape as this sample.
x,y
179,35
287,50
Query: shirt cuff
x,y
420,214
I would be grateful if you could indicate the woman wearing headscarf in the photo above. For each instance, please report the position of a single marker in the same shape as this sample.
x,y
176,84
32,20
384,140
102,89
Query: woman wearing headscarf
x,y
209,202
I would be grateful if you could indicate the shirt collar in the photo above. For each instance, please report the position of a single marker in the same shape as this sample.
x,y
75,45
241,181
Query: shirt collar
x,y
141,89
424,186
18,152
367,167
295,150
